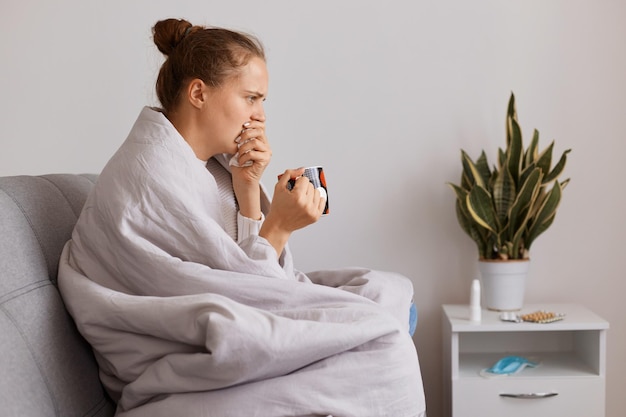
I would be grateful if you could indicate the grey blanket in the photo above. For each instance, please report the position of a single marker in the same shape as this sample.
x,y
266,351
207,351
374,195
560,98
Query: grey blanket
x,y
186,322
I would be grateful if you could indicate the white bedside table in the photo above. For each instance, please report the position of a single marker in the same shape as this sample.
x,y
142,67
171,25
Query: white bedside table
x,y
572,353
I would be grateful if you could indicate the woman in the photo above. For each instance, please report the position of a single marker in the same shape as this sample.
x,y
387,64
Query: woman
x,y
179,275
217,113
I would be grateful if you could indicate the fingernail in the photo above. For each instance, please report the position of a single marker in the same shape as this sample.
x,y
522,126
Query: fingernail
x,y
238,139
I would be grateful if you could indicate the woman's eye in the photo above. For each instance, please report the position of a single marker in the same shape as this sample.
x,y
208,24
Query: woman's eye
x,y
251,99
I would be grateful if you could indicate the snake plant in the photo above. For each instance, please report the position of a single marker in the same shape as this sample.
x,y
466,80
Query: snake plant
x,y
506,208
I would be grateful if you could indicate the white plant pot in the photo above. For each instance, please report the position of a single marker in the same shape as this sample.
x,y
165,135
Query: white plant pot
x,y
503,284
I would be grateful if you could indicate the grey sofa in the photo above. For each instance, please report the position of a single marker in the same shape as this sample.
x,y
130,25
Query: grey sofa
x,y
46,368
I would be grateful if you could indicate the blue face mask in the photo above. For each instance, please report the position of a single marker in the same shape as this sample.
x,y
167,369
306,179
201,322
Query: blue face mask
x,y
508,365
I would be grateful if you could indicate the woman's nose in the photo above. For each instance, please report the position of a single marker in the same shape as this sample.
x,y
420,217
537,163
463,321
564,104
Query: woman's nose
x,y
258,115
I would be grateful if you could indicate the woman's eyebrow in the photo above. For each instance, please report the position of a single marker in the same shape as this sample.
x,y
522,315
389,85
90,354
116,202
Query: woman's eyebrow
x,y
255,93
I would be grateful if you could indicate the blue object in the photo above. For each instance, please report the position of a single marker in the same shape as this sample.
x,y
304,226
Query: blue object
x,y
412,319
510,365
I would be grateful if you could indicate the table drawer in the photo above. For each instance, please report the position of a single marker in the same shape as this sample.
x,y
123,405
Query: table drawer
x,y
517,397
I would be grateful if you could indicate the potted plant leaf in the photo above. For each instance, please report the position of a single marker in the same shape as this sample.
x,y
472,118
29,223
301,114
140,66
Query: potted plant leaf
x,y
505,208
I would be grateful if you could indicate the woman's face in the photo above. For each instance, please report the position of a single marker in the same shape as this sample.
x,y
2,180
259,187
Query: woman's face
x,y
239,100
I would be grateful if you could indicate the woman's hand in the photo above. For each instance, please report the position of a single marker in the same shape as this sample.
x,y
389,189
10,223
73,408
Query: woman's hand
x,y
254,155
291,209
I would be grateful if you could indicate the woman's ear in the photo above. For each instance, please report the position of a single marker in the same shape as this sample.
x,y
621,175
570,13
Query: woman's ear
x,y
196,92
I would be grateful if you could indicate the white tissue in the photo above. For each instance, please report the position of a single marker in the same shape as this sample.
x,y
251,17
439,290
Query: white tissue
x,y
234,162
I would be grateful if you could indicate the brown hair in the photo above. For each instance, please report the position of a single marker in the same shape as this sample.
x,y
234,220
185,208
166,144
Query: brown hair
x,y
208,53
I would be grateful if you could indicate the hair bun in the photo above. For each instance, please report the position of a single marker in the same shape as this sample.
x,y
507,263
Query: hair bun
x,y
168,33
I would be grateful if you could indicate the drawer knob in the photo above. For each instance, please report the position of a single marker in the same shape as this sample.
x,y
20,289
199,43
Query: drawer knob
x,y
531,396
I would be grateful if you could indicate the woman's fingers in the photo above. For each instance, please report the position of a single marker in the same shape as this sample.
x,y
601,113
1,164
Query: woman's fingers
x,y
252,144
253,129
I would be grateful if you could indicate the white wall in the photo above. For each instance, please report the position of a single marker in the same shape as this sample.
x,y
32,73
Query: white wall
x,y
383,94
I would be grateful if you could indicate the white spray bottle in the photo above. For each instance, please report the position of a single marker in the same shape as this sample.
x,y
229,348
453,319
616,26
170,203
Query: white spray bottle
x,y
475,312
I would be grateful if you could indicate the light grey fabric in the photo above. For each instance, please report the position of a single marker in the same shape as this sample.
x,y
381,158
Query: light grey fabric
x,y
182,317
46,368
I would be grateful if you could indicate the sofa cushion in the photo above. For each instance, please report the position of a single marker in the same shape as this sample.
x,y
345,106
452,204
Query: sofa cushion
x,y
47,368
